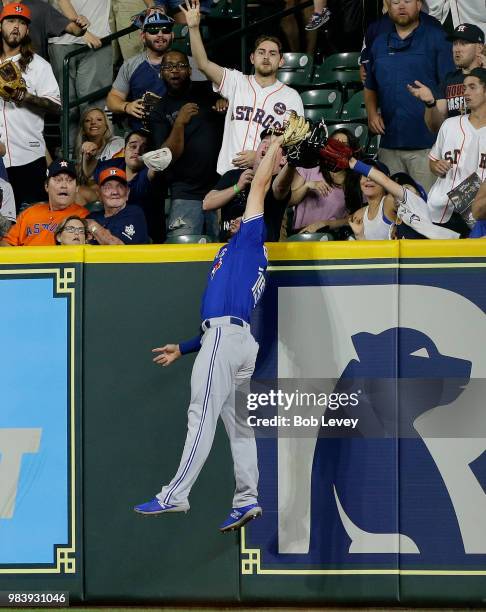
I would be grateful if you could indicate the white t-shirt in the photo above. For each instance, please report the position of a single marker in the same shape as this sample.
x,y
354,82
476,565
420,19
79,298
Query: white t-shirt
x,y
251,109
458,140
98,13
463,11
112,147
22,129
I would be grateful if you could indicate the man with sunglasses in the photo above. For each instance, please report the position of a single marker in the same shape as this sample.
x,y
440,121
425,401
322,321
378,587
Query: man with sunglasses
x,y
413,50
184,121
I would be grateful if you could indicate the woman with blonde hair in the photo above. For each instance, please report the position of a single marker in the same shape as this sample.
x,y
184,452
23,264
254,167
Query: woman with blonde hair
x,y
95,142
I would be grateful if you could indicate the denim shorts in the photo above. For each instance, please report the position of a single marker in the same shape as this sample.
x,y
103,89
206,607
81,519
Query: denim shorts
x,y
172,6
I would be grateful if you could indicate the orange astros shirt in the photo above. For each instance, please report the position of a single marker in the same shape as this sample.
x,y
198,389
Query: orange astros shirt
x,y
36,225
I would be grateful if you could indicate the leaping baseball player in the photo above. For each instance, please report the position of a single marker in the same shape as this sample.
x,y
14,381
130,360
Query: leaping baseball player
x,y
226,360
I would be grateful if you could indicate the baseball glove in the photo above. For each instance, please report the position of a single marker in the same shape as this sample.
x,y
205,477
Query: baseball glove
x,y
305,154
12,85
149,101
296,129
157,160
335,155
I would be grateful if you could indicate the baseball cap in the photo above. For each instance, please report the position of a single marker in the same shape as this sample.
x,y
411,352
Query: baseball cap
x,y
158,19
113,174
61,166
16,10
479,73
469,32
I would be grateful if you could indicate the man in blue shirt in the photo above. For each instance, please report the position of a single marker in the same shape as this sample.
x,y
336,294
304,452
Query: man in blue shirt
x,y
226,360
413,50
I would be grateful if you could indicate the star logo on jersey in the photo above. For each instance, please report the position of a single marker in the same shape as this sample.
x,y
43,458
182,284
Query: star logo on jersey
x,y
280,108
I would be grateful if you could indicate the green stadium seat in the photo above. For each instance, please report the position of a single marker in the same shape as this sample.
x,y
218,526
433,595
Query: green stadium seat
x,y
94,206
294,78
373,145
298,62
355,109
192,239
358,129
339,69
317,237
322,103
181,38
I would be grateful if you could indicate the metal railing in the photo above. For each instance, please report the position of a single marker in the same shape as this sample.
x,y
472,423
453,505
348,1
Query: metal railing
x,y
68,105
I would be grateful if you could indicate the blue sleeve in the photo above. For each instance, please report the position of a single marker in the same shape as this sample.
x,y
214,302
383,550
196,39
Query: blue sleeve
x,y
190,346
444,62
479,230
370,81
252,232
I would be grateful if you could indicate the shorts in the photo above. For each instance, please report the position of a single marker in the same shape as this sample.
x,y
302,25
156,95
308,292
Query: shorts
x,y
172,6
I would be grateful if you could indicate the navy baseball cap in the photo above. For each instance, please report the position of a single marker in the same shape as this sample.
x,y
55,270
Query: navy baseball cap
x,y
159,20
61,166
469,32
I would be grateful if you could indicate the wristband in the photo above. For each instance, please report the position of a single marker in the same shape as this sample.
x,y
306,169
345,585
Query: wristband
x,y
236,189
431,104
362,168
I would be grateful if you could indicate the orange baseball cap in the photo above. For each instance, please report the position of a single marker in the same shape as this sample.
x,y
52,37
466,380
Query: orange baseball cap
x,y
112,174
16,9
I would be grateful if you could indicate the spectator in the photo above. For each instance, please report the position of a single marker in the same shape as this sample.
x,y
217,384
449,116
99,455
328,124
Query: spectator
x,y
323,197
23,121
47,21
117,223
37,224
141,73
460,150
184,120
122,12
7,207
256,102
89,71
471,11
94,142
231,192
375,220
319,17
71,231
468,43
414,50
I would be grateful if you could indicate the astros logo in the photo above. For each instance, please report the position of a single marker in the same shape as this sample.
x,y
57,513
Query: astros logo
x,y
113,172
18,9
279,108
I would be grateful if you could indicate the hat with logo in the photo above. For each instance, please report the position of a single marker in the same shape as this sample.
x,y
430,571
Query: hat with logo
x,y
113,174
157,19
16,9
469,32
61,166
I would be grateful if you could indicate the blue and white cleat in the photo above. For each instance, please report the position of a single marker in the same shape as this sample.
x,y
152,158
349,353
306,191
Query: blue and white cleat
x,y
240,516
154,507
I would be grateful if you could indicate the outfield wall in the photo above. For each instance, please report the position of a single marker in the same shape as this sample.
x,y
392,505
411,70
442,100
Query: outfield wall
x,y
89,427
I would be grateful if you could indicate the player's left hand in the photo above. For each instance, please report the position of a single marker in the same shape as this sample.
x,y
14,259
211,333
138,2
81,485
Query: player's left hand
x,y
244,159
166,354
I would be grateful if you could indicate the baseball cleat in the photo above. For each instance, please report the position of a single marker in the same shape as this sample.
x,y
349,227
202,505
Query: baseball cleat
x,y
154,506
240,516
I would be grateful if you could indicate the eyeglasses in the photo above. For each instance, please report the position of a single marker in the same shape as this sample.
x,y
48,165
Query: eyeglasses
x,y
171,67
153,30
71,229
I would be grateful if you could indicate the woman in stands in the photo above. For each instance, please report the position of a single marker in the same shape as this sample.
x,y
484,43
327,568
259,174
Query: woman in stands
x,y
72,231
94,142
325,199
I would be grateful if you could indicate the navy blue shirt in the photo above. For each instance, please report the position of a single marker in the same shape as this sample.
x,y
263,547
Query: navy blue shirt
x,y
425,55
128,225
236,280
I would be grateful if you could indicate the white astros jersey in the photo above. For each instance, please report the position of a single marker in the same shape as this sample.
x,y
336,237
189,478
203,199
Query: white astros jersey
x,y
463,11
251,110
465,147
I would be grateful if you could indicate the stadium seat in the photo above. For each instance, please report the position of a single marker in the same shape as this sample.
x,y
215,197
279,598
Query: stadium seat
x,y
294,78
192,239
298,62
373,145
94,206
358,129
355,109
317,237
181,38
322,103
340,69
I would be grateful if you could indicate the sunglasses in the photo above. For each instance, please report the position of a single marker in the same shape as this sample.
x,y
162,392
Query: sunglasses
x,y
171,67
153,30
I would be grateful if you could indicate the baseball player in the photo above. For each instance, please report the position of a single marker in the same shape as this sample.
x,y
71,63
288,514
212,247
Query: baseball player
x,y
256,102
226,359
460,150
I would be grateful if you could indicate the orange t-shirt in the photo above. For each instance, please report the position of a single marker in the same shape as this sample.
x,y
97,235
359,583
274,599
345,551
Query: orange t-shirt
x,y
36,225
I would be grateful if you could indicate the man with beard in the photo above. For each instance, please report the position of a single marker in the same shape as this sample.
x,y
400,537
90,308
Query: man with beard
x,y
256,102
413,50
184,121
467,45
36,226
22,122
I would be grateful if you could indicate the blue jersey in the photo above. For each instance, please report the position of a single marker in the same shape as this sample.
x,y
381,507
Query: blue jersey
x,y
236,280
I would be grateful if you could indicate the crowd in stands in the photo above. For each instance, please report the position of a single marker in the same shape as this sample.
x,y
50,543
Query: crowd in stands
x,y
421,80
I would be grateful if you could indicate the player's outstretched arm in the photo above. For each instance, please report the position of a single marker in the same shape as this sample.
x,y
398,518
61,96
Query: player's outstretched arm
x,y
262,180
191,11
165,355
